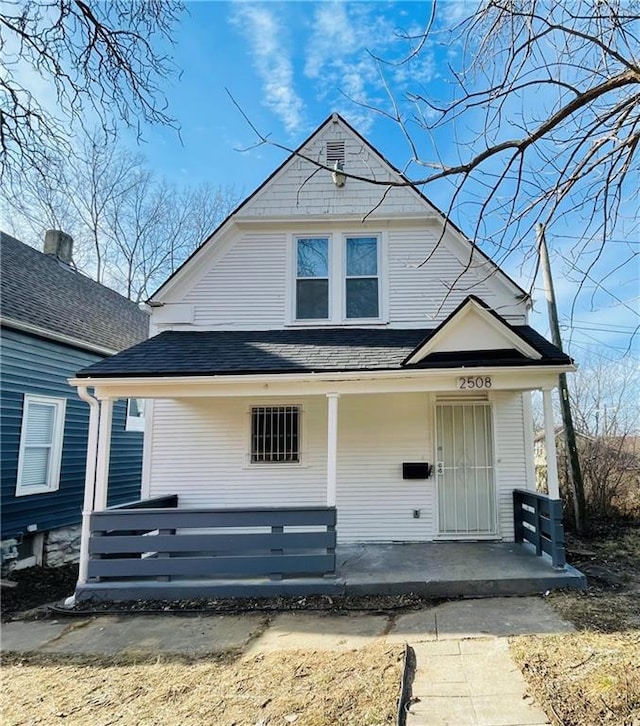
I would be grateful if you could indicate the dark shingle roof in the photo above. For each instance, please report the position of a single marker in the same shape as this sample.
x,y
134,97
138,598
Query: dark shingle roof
x,y
41,291
319,350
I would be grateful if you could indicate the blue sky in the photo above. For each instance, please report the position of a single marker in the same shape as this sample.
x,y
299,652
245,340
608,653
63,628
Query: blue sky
x,y
289,65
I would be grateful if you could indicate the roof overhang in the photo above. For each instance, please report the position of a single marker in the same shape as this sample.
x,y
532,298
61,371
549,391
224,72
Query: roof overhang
x,y
53,335
441,380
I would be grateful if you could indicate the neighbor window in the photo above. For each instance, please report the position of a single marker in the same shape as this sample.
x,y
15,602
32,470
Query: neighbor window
x,y
40,445
275,434
312,278
361,277
135,414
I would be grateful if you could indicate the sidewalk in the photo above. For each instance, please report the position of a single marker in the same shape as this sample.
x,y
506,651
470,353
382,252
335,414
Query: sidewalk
x,y
464,673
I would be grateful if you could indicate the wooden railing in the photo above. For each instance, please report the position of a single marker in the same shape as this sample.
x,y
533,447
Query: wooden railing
x,y
538,521
140,542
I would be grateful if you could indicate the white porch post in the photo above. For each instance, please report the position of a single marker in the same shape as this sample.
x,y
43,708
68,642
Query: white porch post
x,y
89,482
332,447
104,452
553,487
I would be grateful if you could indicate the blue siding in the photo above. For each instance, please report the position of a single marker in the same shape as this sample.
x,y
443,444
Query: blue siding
x,y
41,367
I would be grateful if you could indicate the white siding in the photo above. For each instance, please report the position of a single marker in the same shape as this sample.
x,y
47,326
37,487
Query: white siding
x,y
377,434
200,452
246,286
301,189
420,292
511,464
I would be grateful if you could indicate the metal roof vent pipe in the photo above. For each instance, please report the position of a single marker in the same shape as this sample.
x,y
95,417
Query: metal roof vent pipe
x,y
59,244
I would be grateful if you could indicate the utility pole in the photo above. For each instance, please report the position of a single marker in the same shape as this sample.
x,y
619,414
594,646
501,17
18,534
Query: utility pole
x,y
575,475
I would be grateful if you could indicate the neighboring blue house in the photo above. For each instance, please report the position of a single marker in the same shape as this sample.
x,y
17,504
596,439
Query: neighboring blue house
x,y
55,321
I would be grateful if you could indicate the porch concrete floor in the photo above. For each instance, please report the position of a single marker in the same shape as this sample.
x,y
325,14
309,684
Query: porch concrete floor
x,y
433,569
450,569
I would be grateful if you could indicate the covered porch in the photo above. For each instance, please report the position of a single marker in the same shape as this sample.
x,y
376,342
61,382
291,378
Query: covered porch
x,y
394,471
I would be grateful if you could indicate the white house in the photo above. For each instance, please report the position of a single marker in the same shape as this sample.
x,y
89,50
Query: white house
x,y
335,345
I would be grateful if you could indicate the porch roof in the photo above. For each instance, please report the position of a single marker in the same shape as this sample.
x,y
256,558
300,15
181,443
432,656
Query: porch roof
x,y
317,350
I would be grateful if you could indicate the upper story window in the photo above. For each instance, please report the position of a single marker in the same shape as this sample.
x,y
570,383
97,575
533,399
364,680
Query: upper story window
x,y
40,445
337,278
312,278
361,279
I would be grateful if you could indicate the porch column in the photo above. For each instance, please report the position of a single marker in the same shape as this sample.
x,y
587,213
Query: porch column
x,y
553,487
104,454
89,482
332,447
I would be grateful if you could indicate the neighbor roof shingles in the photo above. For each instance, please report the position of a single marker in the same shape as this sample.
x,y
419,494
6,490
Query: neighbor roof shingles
x,y
319,350
40,291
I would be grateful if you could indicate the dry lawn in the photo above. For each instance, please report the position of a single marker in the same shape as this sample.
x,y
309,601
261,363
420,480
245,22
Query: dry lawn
x,y
584,679
592,676
303,688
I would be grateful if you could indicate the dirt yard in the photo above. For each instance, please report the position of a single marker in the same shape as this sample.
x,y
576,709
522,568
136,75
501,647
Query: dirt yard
x,y
358,688
592,677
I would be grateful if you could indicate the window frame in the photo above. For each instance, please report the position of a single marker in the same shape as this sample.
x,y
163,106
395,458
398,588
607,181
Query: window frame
x,y
337,269
52,483
345,277
296,278
300,436
135,423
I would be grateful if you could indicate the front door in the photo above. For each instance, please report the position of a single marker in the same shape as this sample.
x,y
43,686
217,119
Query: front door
x,y
464,469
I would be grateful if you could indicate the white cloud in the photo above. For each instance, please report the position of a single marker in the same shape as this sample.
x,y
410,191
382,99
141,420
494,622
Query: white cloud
x,y
341,59
272,61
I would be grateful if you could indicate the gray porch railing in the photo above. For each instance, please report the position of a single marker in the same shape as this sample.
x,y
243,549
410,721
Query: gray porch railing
x,y
142,542
538,521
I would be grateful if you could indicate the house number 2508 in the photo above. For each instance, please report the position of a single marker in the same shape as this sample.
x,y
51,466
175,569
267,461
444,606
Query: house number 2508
x,y
468,383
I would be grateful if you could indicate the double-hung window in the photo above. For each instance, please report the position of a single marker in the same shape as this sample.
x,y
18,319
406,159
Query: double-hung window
x,y
337,278
312,278
275,434
361,278
40,445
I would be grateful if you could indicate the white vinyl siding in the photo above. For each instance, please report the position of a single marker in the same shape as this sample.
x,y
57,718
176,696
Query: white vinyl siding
x,y
511,457
200,452
40,445
245,287
422,270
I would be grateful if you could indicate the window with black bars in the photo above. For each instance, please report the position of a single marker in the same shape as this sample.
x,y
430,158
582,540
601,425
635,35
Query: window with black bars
x,y
275,434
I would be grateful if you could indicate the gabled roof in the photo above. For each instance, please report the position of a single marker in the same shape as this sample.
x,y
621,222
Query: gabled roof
x,y
317,350
296,154
473,328
42,295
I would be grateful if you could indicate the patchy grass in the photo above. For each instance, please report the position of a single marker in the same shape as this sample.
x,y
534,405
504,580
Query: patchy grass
x,y
359,687
592,676
584,678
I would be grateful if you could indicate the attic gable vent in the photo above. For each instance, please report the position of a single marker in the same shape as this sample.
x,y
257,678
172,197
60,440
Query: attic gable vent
x,y
335,153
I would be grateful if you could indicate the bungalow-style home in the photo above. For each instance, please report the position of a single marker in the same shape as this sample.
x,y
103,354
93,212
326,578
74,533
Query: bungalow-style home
x,y
55,320
337,365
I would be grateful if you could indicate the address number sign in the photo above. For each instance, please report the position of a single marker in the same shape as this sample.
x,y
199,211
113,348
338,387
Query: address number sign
x,y
474,383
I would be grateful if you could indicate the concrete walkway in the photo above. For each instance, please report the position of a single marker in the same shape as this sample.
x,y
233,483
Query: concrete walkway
x,y
464,672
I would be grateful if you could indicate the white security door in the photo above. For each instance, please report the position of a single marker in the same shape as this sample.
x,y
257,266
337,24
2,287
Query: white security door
x,y
464,469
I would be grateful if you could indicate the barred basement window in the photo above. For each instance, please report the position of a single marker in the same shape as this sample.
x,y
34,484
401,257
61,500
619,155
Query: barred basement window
x,y
275,434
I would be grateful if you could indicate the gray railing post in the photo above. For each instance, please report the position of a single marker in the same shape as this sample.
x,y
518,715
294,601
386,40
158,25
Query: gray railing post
x,y
558,556
276,551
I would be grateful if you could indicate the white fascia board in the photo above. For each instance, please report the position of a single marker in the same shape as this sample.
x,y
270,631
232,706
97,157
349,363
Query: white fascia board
x,y
472,308
505,378
57,337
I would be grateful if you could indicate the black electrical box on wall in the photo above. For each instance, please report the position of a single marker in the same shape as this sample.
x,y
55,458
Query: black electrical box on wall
x,y
418,470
